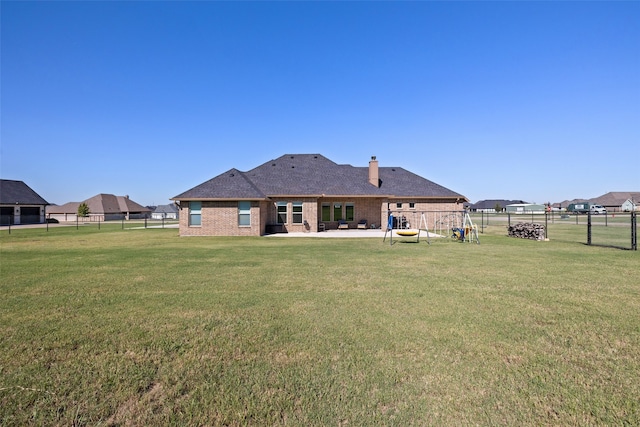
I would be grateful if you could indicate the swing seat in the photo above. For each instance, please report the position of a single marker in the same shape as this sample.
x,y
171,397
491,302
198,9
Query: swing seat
x,y
407,233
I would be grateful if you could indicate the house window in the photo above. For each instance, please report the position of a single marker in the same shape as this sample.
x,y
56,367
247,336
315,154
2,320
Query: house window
x,y
195,214
412,205
349,209
337,211
326,212
297,212
281,212
399,205
244,214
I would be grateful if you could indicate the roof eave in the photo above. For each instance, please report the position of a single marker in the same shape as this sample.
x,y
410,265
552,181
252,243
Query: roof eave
x,y
215,199
290,196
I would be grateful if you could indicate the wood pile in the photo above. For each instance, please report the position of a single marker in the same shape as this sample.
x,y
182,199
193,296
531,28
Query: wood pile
x,y
527,230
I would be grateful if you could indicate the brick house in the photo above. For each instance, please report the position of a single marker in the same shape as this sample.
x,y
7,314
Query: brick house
x,y
307,193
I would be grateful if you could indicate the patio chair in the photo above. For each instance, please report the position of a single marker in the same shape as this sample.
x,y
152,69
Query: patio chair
x,y
343,225
362,224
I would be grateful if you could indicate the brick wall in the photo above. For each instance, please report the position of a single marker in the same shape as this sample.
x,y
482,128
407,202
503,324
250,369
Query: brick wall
x,y
309,214
221,218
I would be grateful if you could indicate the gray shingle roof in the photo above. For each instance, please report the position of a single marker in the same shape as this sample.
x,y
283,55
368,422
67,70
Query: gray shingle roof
x,y
490,204
172,208
17,192
314,175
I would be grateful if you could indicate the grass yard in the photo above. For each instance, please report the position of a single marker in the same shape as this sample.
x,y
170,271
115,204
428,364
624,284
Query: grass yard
x,y
141,327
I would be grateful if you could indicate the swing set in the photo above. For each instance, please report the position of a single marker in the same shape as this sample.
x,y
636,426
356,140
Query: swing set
x,y
468,232
459,224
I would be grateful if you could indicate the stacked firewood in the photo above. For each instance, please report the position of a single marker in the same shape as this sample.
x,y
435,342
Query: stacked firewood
x,y
527,230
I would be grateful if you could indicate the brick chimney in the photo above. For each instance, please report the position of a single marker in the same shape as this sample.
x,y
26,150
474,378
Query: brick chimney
x,y
374,177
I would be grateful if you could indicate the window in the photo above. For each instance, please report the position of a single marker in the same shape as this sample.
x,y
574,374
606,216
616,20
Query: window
x,y
337,211
281,212
326,212
349,209
195,214
297,212
244,214
399,205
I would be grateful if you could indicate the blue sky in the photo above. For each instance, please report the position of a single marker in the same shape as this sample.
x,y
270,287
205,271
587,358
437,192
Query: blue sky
x,y
538,101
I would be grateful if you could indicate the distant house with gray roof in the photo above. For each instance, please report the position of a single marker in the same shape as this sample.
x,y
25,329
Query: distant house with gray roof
x,y
19,204
307,193
165,212
102,207
490,205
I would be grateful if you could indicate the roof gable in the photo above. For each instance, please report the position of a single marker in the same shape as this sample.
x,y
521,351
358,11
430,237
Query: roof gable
x,y
18,193
231,184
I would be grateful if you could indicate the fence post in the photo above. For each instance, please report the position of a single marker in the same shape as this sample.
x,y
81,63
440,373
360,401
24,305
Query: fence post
x,y
145,222
634,231
98,222
589,228
546,226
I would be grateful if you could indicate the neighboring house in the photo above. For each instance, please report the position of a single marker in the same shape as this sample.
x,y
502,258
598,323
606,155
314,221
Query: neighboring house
x,y
612,201
19,204
307,193
490,205
615,200
165,212
102,207
525,208
629,206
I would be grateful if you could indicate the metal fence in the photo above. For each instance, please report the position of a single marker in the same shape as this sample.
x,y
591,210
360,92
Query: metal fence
x,y
79,223
616,230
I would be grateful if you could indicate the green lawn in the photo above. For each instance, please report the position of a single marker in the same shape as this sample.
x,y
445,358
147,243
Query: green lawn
x,y
142,327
